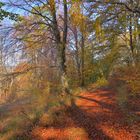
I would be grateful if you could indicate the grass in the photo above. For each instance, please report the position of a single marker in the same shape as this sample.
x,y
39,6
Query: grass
x,y
18,117
122,96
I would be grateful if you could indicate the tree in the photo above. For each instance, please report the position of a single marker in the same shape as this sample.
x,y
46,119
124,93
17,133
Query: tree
x,y
4,13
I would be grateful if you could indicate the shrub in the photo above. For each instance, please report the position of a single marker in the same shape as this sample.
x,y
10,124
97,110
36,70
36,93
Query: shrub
x,y
101,82
129,77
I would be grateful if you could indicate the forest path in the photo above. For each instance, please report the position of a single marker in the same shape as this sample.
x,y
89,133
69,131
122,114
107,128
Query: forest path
x,y
96,116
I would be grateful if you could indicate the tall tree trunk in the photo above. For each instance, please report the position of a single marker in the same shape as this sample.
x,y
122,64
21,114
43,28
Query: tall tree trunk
x,y
64,78
83,61
77,56
137,38
131,40
61,45
82,48
131,34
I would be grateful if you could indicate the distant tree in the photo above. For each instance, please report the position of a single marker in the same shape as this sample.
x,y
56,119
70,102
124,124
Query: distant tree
x,y
4,13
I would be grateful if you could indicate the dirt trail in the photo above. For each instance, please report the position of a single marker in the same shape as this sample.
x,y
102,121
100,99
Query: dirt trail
x,y
99,116
103,119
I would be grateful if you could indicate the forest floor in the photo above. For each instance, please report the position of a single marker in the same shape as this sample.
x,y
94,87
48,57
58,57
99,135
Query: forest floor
x,y
96,116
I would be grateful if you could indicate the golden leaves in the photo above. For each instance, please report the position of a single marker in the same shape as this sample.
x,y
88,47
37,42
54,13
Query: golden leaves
x,y
98,26
52,6
77,17
98,29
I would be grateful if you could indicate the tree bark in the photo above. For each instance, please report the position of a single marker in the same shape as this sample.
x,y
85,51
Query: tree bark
x,y
61,43
77,56
83,61
131,40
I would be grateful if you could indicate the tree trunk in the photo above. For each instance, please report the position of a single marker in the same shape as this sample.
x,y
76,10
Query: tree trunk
x,y
137,38
83,61
61,46
77,56
131,40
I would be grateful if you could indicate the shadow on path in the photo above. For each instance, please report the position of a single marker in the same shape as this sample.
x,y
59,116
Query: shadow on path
x,y
102,104
83,120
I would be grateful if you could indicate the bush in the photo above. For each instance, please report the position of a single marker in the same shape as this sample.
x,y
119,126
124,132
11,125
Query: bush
x,y
101,82
129,77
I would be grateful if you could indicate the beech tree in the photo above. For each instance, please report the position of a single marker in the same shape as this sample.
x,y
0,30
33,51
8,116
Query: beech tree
x,y
87,39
